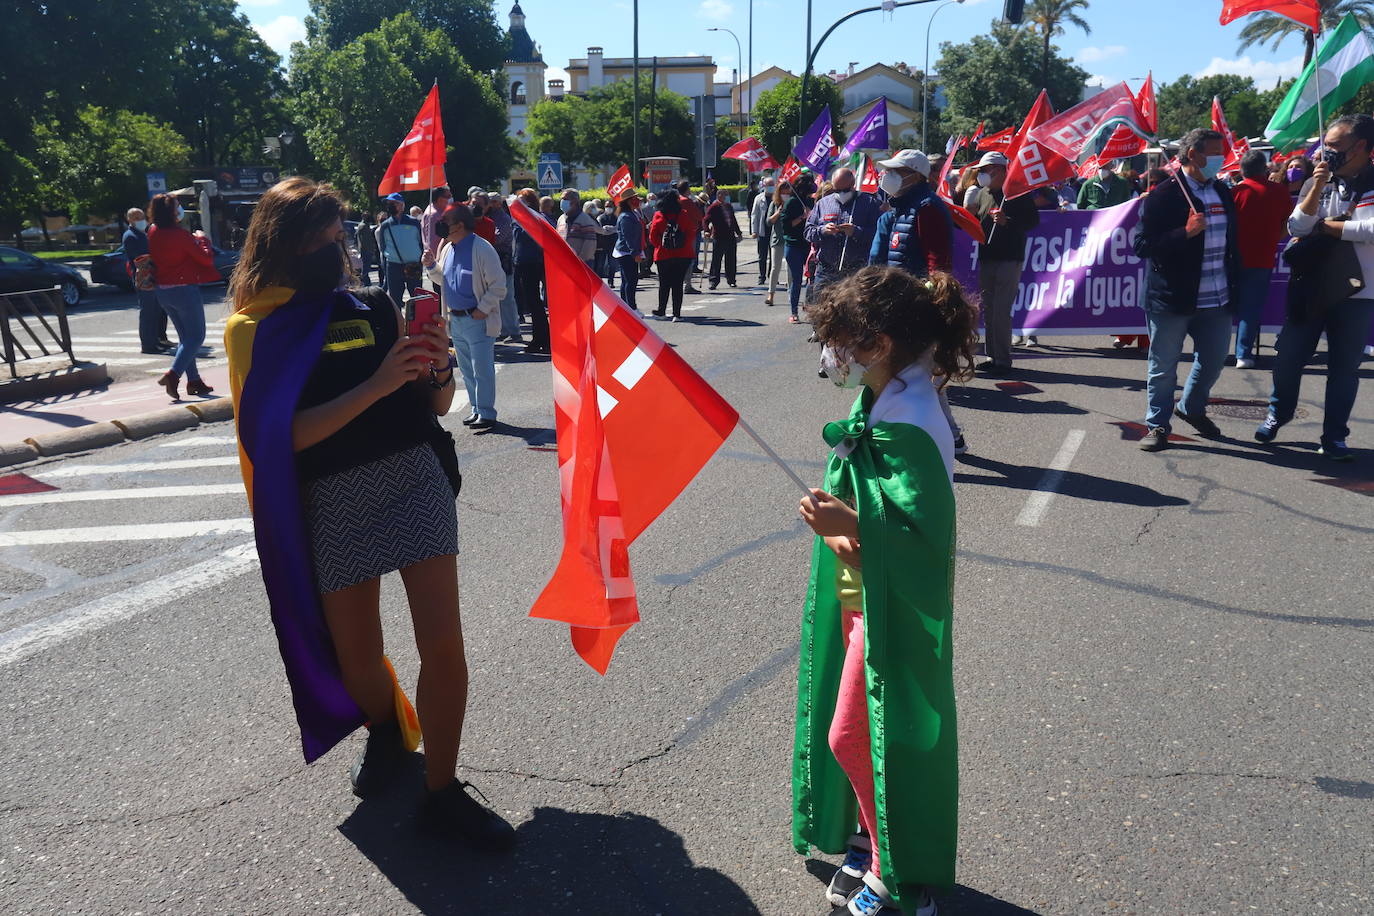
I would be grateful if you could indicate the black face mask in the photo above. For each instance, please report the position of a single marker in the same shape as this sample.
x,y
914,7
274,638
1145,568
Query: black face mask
x,y
1335,158
321,271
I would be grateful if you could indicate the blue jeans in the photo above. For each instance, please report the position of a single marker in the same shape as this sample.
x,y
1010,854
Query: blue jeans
x,y
1252,288
510,314
1346,325
152,320
369,262
629,279
476,354
395,284
1211,333
186,308
795,256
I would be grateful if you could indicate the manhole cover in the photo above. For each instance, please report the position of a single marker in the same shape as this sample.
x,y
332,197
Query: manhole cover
x,y
1244,410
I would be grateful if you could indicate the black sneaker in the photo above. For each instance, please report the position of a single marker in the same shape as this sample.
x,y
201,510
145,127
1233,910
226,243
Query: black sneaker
x,y
1156,440
470,419
960,446
1268,429
453,812
849,877
689,291
1200,422
1335,450
378,762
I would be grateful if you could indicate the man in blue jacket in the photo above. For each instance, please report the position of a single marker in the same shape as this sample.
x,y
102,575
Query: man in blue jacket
x,y
152,319
1188,238
400,241
841,227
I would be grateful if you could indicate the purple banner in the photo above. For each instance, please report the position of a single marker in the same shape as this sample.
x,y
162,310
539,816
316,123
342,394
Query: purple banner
x,y
817,148
872,133
1081,275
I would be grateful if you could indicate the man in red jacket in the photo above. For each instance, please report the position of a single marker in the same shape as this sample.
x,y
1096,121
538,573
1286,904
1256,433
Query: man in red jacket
x,y
1262,209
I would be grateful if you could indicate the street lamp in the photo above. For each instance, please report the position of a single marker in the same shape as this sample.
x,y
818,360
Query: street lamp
x,y
739,52
925,74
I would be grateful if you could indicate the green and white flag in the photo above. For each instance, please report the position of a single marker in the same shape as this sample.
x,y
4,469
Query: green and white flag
x,y
1346,62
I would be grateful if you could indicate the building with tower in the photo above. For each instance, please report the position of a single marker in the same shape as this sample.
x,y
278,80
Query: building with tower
x,y
525,69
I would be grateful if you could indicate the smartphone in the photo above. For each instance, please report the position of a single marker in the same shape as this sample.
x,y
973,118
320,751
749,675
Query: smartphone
x,y
421,309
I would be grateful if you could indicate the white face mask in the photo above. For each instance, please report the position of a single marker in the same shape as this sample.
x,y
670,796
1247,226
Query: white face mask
x,y
891,183
140,224
839,366
984,180
181,214
1105,173
844,196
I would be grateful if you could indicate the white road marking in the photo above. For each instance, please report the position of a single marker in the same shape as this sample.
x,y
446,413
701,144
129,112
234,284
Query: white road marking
x,y
49,631
138,467
112,348
199,442
83,496
1039,501
160,531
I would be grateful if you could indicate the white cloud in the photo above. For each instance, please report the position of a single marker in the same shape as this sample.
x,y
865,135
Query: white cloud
x,y
1092,55
280,32
717,10
1261,71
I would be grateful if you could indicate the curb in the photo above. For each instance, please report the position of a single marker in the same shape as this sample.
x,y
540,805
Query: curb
x,y
113,432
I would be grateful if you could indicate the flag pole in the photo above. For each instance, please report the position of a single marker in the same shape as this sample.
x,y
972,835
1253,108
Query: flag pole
x,y
801,485
1317,75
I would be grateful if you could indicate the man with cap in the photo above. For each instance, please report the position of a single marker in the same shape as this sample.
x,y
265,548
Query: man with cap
x,y
841,227
1005,224
401,246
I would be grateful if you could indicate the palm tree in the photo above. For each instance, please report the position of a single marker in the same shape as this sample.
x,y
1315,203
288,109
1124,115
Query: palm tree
x,y
1049,17
1271,29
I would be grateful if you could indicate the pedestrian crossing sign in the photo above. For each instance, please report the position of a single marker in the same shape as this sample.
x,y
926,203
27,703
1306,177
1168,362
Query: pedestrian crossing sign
x,y
550,176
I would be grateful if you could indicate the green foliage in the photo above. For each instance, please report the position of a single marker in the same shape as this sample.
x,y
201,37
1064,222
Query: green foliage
x,y
596,130
996,77
1271,29
358,103
1049,17
469,24
775,113
1186,103
97,166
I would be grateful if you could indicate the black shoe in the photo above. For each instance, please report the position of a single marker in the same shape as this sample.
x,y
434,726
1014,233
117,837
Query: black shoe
x,y
713,286
960,446
691,292
472,418
730,284
378,762
479,423
159,351
166,344
452,811
1202,423
849,877
537,348
992,369
1335,450
1156,440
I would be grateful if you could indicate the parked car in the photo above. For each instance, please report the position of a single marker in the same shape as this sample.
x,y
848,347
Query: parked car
x,y
21,271
109,268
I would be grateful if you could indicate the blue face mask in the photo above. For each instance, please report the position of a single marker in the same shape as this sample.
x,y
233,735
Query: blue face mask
x,y
1212,167
565,205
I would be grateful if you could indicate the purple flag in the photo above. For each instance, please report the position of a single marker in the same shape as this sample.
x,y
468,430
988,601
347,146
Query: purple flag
x,y
872,133
817,148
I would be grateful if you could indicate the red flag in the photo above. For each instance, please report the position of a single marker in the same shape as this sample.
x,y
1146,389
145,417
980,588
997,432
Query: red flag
x,y
791,169
1032,165
869,183
1232,148
419,161
1149,108
635,424
977,135
998,141
1089,167
621,183
1122,144
751,152
966,221
943,186
1074,133
1306,13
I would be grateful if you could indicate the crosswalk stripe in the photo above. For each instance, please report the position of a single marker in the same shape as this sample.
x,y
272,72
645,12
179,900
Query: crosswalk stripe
x,y
82,496
198,442
138,467
160,531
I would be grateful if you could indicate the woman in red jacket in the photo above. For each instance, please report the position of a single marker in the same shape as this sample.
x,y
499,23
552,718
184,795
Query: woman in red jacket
x,y
182,261
673,234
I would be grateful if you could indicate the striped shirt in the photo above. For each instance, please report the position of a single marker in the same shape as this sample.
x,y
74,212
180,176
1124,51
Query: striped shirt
x,y
1211,291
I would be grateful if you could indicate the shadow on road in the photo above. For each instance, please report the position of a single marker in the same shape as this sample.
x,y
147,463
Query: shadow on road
x,y
1008,403
1081,486
962,901
566,862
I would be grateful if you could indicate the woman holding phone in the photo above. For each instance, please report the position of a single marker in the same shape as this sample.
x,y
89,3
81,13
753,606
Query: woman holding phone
x,y
350,477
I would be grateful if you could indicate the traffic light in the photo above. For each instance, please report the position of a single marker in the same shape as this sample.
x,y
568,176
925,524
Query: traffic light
x,y
1013,10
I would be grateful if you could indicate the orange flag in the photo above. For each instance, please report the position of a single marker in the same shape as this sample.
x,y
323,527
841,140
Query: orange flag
x,y
419,161
635,424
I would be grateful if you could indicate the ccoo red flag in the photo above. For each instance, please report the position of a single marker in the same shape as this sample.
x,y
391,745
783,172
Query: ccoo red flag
x,y
419,161
635,424
869,183
951,150
620,184
1306,13
1232,148
1032,165
791,169
751,152
998,141
1147,105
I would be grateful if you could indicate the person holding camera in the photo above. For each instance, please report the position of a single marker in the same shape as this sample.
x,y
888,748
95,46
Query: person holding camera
x,y
350,477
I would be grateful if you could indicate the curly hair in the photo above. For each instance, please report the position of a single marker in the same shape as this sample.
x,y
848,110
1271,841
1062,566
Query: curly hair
x,y
919,315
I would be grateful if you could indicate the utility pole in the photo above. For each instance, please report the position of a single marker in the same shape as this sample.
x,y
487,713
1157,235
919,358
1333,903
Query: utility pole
x,y
634,164
749,112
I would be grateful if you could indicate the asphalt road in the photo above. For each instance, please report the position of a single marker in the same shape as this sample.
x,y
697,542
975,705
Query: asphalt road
x,y
1162,671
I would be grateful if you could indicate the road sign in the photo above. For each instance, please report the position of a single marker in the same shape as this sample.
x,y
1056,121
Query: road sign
x,y
704,112
157,183
549,171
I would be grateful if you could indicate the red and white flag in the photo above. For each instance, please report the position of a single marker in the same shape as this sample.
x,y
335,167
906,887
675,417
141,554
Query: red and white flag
x,y
869,183
951,149
1032,165
1306,13
635,424
1232,148
1148,106
1078,133
998,141
1122,144
621,183
791,169
419,161
751,152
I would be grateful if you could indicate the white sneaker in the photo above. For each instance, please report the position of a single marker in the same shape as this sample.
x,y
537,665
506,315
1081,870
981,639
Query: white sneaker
x,y
1245,364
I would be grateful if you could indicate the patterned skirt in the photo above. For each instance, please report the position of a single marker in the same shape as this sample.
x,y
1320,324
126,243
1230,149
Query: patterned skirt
x,y
379,517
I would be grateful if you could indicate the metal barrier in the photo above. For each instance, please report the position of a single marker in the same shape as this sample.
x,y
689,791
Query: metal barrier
x,y
28,310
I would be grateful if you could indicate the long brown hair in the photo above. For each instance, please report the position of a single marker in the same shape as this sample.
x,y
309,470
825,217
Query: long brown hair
x,y
919,315
162,211
292,213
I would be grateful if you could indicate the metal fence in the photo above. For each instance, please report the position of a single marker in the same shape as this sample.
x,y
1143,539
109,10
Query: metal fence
x,y
26,329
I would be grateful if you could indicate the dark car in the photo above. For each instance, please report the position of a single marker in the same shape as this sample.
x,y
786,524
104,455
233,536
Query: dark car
x,y
109,268
21,271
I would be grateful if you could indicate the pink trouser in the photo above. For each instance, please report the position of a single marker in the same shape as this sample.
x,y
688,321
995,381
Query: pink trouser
x,y
849,739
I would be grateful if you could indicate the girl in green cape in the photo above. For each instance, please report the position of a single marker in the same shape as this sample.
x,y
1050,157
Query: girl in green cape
x,y
876,737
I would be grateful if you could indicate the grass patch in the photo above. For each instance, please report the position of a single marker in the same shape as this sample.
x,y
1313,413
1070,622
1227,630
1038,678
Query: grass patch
x,y
79,255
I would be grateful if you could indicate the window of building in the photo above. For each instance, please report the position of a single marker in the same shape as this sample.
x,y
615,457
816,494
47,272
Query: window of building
x,y
517,93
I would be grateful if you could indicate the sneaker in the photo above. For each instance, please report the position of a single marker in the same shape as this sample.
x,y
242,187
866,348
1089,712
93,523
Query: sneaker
x,y
452,811
1032,340
1200,422
874,900
1156,440
1335,450
849,877
960,446
1268,429
1017,340
378,762
1245,363
793,319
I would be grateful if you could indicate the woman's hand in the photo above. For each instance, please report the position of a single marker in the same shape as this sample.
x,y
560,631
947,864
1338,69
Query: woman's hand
x,y
848,551
435,337
829,516
407,359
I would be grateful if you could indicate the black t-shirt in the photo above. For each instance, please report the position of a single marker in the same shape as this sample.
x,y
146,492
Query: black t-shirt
x,y
355,343
793,234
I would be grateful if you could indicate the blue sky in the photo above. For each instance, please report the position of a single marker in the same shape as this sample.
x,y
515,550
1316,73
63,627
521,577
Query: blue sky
x,y
1175,36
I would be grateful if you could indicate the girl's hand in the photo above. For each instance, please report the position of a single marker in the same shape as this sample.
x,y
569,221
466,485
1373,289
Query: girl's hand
x,y
407,359
829,516
847,549
435,337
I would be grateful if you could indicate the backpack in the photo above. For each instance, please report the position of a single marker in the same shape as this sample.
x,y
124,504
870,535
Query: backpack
x,y
672,234
145,273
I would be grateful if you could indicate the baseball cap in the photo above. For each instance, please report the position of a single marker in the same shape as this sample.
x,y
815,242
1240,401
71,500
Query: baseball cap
x,y
993,158
474,190
395,195
912,159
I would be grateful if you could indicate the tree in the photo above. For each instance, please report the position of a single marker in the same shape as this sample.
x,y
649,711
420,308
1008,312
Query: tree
x,y
469,24
1272,29
996,78
1187,103
597,129
1049,18
775,113
97,166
